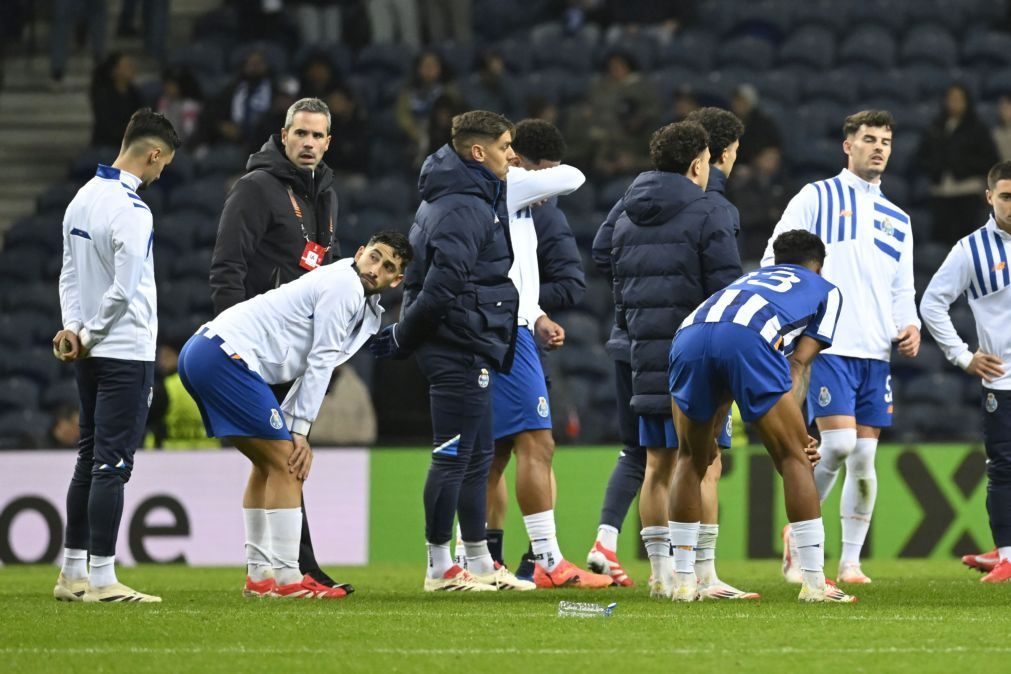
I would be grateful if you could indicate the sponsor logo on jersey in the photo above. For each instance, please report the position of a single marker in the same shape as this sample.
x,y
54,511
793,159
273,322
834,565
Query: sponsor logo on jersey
x,y
542,406
999,266
275,419
824,397
845,213
991,403
483,379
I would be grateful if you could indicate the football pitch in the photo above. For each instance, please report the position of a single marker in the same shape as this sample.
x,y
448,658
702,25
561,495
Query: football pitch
x,y
922,616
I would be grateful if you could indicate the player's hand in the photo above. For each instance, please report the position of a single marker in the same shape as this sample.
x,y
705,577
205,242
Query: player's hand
x,y
813,455
301,457
986,366
551,334
384,344
67,346
909,341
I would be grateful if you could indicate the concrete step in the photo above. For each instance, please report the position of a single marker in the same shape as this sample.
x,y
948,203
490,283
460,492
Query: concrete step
x,y
18,138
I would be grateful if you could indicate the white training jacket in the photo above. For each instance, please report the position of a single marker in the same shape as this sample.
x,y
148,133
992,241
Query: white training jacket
x,y
107,288
977,266
869,257
524,189
300,332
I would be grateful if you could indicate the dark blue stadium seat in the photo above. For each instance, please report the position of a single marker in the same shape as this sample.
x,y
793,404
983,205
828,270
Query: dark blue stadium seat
x,y
176,230
903,153
839,85
694,48
55,198
275,55
751,52
18,393
778,85
580,328
180,171
827,14
929,359
599,297
585,359
965,323
36,231
83,167
611,191
820,119
13,335
570,54
822,156
25,429
206,195
997,83
929,43
892,14
60,393
893,83
672,79
942,387
929,255
38,297
204,57
362,224
585,226
385,61
570,87
643,49
36,363
28,328
896,189
991,49
194,265
871,45
389,194
515,53
812,46
23,265
223,159
954,17
766,19
579,203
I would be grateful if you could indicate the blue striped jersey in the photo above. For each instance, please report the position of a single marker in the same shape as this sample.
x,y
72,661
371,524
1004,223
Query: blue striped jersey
x,y
781,302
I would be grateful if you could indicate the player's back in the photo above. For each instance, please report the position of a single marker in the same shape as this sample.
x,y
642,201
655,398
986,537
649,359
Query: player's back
x,y
779,302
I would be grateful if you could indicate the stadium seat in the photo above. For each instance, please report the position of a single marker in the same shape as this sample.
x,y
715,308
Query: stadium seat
x,y
362,224
997,83
515,53
952,17
693,49
752,52
941,388
839,85
175,231
599,297
36,363
35,231
85,164
390,194
778,85
60,393
385,61
570,87
668,81
812,46
275,55
822,155
820,119
18,393
833,16
580,328
25,429
13,335
206,195
929,44
929,359
33,297
579,203
643,49
584,227
893,83
195,265
611,191
991,49
179,172
890,14
204,57
585,359
870,45
569,54
904,147
896,189
766,19
55,199
23,265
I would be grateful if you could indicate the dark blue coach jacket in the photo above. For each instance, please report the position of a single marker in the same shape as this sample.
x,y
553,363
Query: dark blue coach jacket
x,y
561,267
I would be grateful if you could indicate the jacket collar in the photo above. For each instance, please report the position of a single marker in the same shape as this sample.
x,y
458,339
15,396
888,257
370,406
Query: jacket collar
x,y
991,225
717,180
129,180
859,184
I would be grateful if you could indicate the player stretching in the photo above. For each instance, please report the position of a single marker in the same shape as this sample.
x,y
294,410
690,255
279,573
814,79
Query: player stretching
x,y
753,343
870,243
978,266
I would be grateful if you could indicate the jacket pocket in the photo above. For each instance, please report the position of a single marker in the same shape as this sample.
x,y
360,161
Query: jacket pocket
x,y
497,307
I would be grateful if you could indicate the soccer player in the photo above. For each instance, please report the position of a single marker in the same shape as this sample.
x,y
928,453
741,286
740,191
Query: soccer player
x,y
521,413
297,332
671,248
870,244
110,326
753,343
978,266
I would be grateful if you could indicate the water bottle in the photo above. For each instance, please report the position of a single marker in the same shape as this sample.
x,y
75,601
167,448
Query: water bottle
x,y
577,609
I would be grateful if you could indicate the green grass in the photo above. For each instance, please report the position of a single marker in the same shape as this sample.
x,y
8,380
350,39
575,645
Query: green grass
x,y
922,616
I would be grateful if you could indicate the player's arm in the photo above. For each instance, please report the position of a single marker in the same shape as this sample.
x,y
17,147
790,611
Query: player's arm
x,y
719,255
526,188
455,244
244,220
602,241
800,213
132,233
818,335
70,302
561,267
904,304
953,278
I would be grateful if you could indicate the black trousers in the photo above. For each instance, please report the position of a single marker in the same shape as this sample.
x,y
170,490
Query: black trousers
x,y
630,470
997,437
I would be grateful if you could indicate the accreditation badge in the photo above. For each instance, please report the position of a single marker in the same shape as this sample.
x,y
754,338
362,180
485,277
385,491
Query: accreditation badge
x,y
312,256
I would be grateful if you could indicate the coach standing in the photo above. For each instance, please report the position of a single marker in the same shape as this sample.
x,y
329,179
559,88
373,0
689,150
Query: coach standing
x,y
110,324
279,221
460,318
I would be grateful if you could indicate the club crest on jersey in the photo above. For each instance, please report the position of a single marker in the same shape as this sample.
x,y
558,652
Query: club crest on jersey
x,y
824,397
275,419
887,227
991,403
730,426
542,406
483,379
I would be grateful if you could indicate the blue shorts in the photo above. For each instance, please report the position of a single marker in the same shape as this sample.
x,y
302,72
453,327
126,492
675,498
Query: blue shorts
x,y
657,430
520,399
713,363
233,400
851,387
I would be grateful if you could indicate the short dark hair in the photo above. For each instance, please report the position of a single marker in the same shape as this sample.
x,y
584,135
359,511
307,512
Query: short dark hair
x,y
723,128
881,118
398,241
475,126
674,147
146,123
537,140
798,246
999,171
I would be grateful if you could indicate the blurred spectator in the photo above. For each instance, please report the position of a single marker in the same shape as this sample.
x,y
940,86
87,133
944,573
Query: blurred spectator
x,y
495,90
234,115
181,101
154,17
66,429
541,107
348,154
394,17
1002,131
440,122
346,417
320,21
685,104
623,114
955,153
113,99
658,19
760,193
66,15
174,421
448,20
623,150
318,77
429,80
760,131
264,20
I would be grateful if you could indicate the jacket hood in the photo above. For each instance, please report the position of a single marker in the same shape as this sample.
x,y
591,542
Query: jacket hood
x,y
655,197
271,158
445,173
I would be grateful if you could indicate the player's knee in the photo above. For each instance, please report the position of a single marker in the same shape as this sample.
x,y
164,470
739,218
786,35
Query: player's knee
x,y
105,475
836,445
860,463
998,467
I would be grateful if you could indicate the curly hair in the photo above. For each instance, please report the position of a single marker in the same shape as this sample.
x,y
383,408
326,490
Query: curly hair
x,y
798,246
871,118
538,140
722,126
674,147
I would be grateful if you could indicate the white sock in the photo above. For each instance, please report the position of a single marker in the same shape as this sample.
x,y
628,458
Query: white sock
x,y
459,552
1004,553
103,571
705,553
860,490
835,446
809,536
75,563
684,536
478,558
541,530
439,561
284,528
657,543
258,565
607,536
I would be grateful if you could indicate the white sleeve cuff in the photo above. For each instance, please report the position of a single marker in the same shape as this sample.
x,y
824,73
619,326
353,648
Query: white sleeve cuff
x,y
87,339
297,425
963,359
73,326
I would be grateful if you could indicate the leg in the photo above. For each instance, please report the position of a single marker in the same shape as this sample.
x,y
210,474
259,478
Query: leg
x,y
473,500
860,490
629,472
838,441
534,493
498,498
997,436
75,554
61,28
97,14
